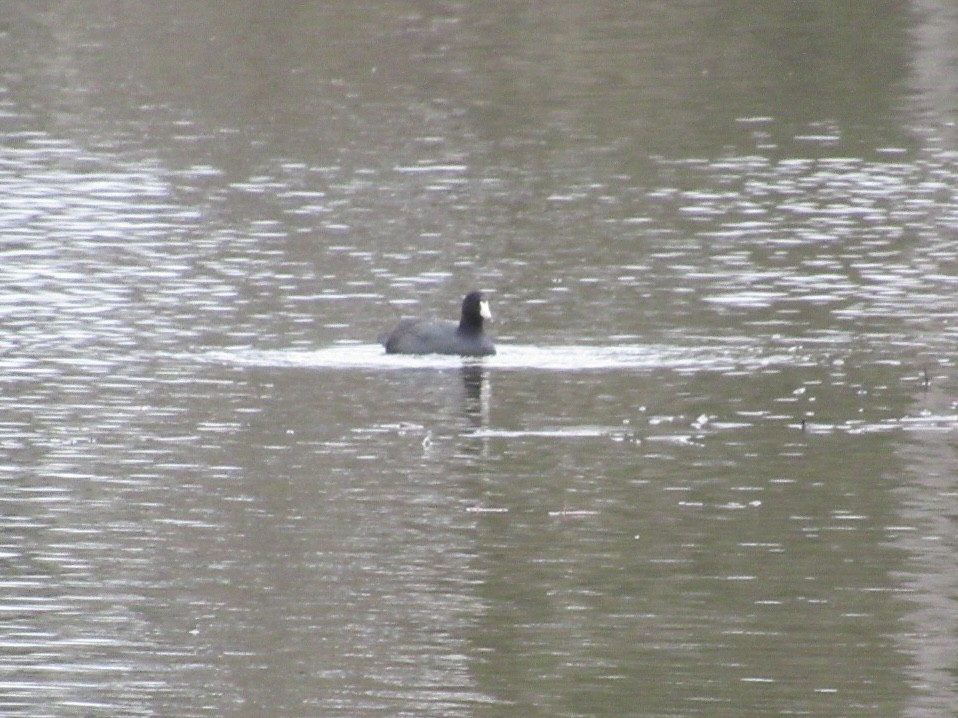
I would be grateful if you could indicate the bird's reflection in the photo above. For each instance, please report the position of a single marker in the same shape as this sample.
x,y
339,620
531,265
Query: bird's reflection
x,y
477,394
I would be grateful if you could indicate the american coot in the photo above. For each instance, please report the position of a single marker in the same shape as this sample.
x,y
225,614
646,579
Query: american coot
x,y
426,336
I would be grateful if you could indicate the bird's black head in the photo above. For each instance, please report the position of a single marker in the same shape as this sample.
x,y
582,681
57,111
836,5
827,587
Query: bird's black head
x,y
475,308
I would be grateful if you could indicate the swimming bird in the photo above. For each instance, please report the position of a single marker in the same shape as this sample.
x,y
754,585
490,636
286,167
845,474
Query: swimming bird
x,y
439,336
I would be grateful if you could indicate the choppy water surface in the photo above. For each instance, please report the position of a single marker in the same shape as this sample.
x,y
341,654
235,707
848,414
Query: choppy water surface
x,y
710,470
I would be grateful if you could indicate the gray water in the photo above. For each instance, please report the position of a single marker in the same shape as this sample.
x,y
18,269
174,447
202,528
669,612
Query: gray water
x,y
711,470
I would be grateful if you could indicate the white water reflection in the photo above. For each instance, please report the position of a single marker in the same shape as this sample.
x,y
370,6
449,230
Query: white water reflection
x,y
564,358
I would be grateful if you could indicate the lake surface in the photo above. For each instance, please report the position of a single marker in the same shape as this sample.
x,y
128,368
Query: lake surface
x,y
710,471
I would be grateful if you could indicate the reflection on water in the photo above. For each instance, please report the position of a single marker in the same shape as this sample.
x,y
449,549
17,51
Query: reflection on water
x,y
478,392
568,358
709,470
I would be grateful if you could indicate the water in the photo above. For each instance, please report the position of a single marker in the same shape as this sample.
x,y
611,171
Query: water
x,y
709,471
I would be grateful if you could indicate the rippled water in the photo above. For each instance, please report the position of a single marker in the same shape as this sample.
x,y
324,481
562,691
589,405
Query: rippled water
x,y
708,472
